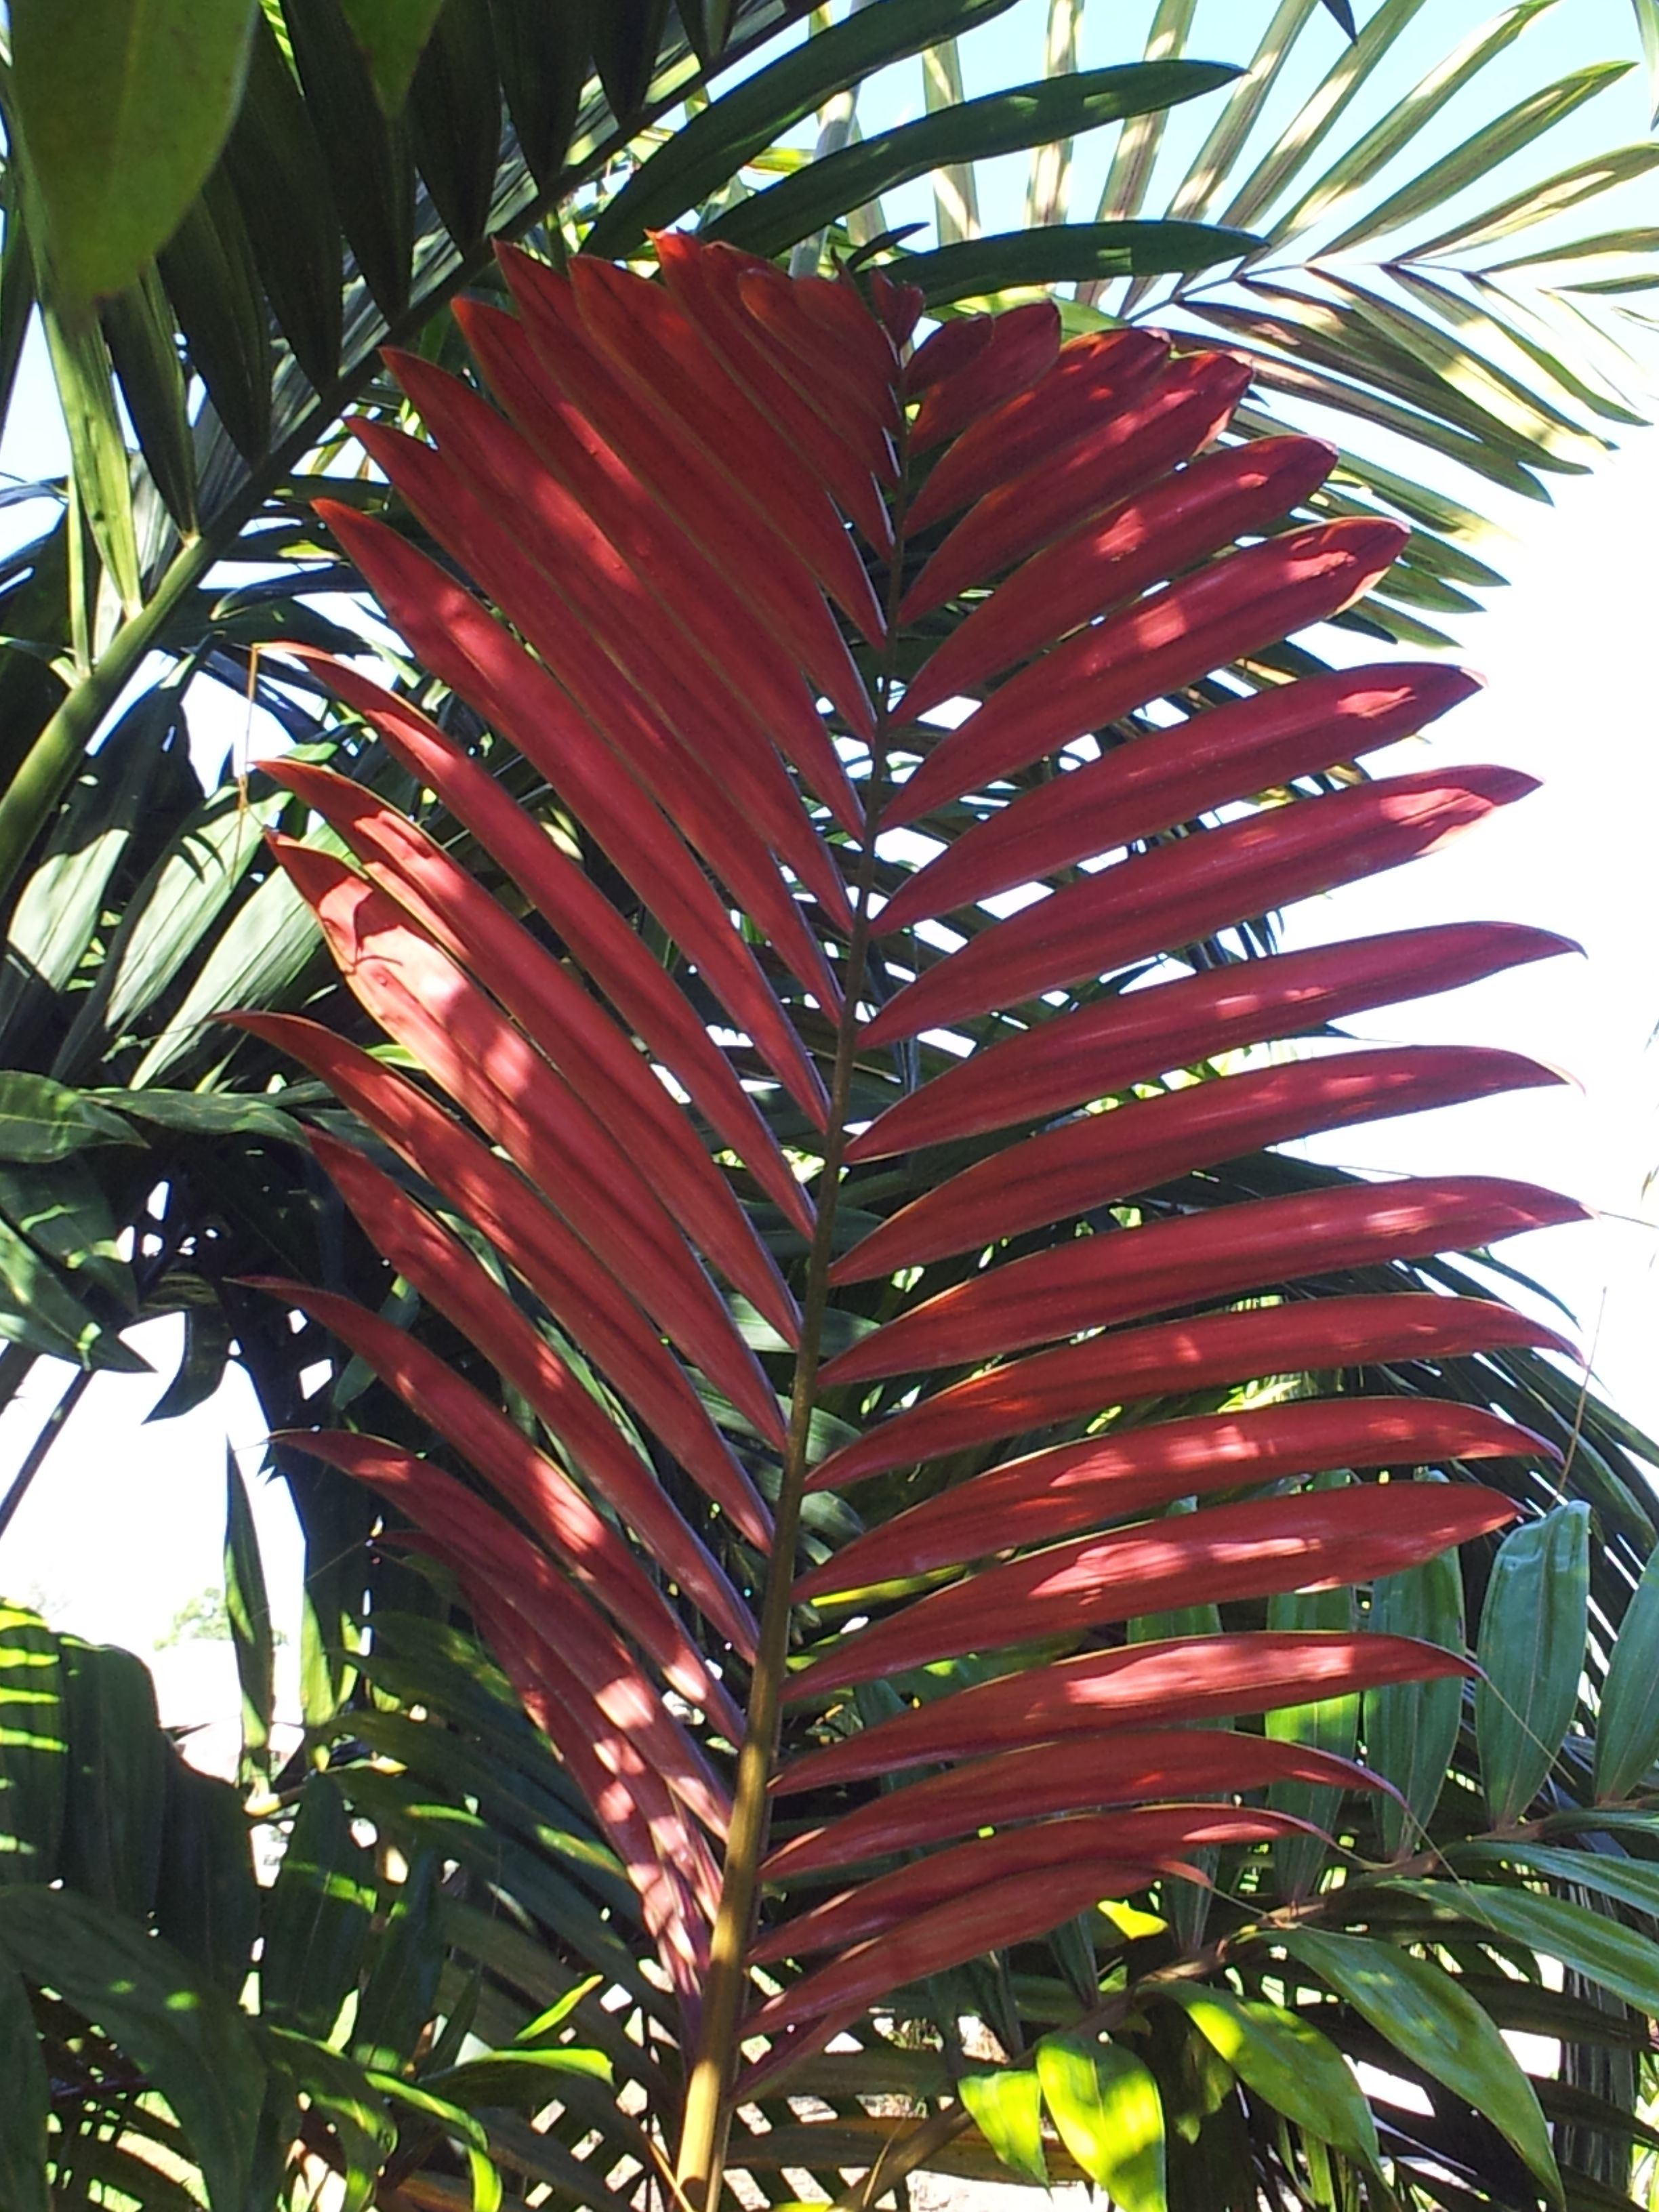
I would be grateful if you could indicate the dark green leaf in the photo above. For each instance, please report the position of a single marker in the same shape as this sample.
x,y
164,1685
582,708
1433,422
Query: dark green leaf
x,y
1610,1874
211,277
1420,2009
1002,123
187,2037
455,117
544,56
1411,1729
139,330
625,35
1628,1725
207,1902
1066,252
123,106
1531,1651
402,1987
1602,1950
317,1918
65,1216
390,35
701,157
365,155
25,2103
111,1847
207,1346
1330,1725
276,169
249,1611
33,1748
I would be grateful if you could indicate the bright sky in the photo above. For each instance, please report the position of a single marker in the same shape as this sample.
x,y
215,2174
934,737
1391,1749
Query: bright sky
x,y
125,1525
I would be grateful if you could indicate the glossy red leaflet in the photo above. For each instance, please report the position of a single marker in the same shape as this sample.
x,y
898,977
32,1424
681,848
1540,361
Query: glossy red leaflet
x,y
1132,1694
561,563
448,1278
580,1293
1090,381
626,317
752,661
1303,1335
726,524
1158,778
471,1532
461,643
1023,347
463,1042
1071,1058
563,1020
1094,1158
1133,1840
618,726
1181,893
610,953
1128,1274
541,1493
1315,1539
1196,511
1179,413
1056,1492
1227,610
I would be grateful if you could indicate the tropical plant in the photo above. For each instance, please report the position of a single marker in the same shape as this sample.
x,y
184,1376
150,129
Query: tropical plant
x,y
143,907
891,1604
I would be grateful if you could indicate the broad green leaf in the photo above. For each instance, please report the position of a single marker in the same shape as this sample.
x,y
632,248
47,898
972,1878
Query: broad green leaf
x,y
1105,2105
1288,2064
1602,1950
186,2037
249,1609
1006,2103
1002,123
709,146
39,1311
1465,167
123,106
1069,253
111,1847
1411,1728
391,34
41,1120
316,1919
1319,114
33,1747
1531,1650
25,2103
207,1902
1418,2008
1627,1723
517,2077
1347,176
207,1113
1536,203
